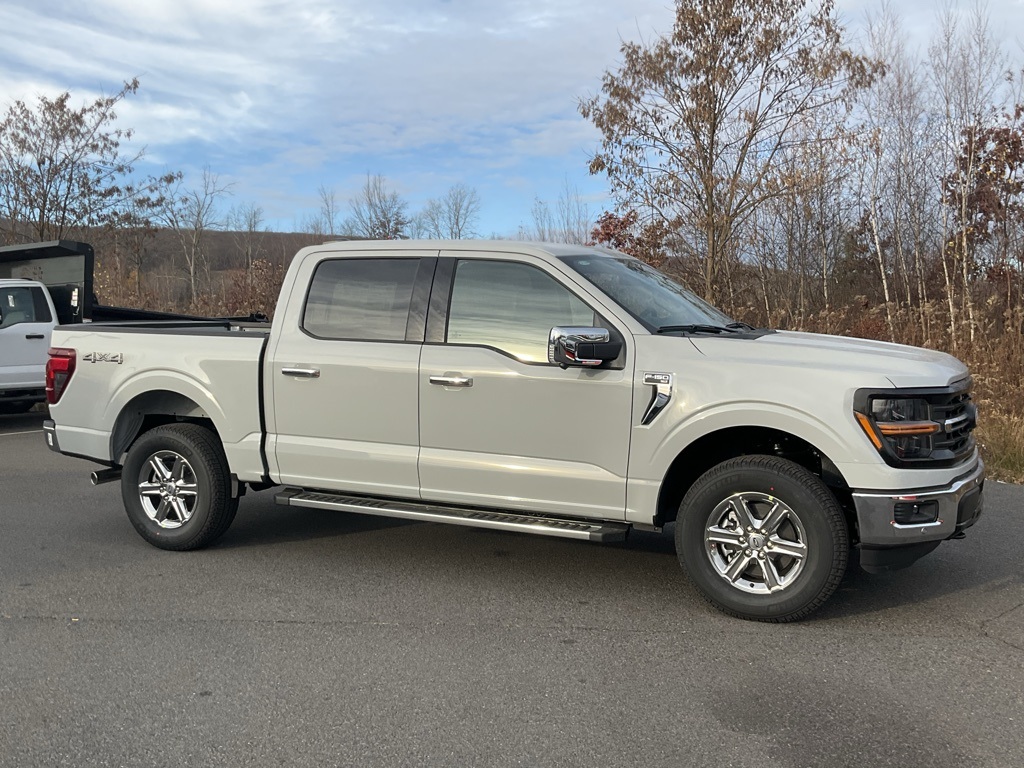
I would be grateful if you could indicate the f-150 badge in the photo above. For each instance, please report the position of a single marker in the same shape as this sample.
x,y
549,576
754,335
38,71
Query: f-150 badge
x,y
103,357
662,386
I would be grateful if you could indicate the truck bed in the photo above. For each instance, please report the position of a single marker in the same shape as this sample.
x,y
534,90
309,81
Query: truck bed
x,y
189,368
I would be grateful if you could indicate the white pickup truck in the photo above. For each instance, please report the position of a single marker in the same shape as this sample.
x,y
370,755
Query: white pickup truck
x,y
27,316
541,388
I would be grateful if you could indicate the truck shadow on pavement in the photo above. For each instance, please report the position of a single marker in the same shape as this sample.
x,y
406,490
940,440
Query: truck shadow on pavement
x,y
262,523
959,572
983,563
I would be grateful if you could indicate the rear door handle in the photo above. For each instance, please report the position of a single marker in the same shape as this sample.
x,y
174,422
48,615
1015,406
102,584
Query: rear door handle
x,y
34,336
452,381
302,373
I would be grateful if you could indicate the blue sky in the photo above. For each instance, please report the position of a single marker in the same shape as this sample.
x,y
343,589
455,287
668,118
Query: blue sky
x,y
279,97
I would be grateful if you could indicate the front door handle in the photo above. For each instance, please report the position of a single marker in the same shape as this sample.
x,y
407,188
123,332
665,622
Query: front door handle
x,y
452,381
302,373
34,336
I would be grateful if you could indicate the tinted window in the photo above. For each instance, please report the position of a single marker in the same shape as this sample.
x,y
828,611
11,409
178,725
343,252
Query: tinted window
x,y
511,307
364,299
650,296
23,305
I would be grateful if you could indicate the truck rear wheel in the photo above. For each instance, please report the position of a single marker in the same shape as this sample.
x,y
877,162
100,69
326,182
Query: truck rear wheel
x,y
176,487
762,538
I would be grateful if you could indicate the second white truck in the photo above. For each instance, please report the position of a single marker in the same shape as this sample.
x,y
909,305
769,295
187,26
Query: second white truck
x,y
27,316
540,388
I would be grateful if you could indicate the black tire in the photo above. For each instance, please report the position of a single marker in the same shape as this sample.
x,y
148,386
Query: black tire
x,y
748,571
199,509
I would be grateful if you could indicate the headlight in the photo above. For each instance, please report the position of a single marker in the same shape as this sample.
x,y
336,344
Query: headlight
x,y
893,409
902,425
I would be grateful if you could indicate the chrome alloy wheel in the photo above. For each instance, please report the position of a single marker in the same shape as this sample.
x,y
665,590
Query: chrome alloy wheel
x,y
168,489
756,542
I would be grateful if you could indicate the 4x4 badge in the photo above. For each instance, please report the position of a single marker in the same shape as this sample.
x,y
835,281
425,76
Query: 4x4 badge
x,y
103,357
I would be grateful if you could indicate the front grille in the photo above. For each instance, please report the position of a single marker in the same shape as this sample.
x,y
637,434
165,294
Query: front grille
x,y
958,417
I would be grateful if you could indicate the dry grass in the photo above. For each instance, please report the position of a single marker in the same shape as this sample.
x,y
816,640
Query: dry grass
x,y
1001,437
999,394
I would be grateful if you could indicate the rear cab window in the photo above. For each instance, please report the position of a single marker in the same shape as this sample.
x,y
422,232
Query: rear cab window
x,y
360,299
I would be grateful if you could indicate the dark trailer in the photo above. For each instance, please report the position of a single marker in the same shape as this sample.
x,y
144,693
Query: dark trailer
x,y
65,267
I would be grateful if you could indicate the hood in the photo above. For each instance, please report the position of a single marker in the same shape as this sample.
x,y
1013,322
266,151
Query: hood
x,y
902,365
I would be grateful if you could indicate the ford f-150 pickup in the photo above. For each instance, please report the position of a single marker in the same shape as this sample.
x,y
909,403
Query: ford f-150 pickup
x,y
540,388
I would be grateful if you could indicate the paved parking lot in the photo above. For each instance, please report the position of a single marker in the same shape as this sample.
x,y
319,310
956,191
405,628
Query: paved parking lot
x,y
316,638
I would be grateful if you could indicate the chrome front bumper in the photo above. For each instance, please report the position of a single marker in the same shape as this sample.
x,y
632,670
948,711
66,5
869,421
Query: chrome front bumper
x,y
959,506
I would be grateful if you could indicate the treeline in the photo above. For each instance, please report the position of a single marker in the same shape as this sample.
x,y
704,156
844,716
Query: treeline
x,y
790,175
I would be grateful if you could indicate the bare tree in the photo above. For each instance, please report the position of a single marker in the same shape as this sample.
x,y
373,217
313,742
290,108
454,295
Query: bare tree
x,y
542,227
189,214
568,222
796,238
248,231
62,168
898,107
326,222
573,217
378,213
693,124
430,222
454,215
419,227
967,69
329,210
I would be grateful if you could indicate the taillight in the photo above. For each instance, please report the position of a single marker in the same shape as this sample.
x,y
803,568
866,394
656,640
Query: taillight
x,y
59,368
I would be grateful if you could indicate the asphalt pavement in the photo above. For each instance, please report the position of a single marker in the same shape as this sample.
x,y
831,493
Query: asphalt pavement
x,y
316,638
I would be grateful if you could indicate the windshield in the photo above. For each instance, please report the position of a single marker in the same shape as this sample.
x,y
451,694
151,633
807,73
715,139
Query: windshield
x,y
651,297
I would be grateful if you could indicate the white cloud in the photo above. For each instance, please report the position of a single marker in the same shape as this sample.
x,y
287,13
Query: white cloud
x,y
275,93
432,67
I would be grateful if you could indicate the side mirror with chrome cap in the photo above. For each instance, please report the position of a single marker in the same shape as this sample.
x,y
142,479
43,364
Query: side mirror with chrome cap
x,y
584,347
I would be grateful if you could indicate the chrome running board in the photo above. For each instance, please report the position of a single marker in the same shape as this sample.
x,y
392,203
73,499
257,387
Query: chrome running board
x,y
592,530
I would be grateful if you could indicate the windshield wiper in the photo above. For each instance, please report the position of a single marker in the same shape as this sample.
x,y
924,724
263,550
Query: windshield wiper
x,y
696,328
741,326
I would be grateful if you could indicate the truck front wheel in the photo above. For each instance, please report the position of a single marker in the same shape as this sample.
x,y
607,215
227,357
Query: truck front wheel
x,y
762,538
176,487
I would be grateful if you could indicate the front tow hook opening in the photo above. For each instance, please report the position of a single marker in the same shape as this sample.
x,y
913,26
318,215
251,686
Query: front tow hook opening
x,y
101,476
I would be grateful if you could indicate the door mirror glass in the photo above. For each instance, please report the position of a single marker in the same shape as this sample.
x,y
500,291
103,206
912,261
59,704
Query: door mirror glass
x,y
586,347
